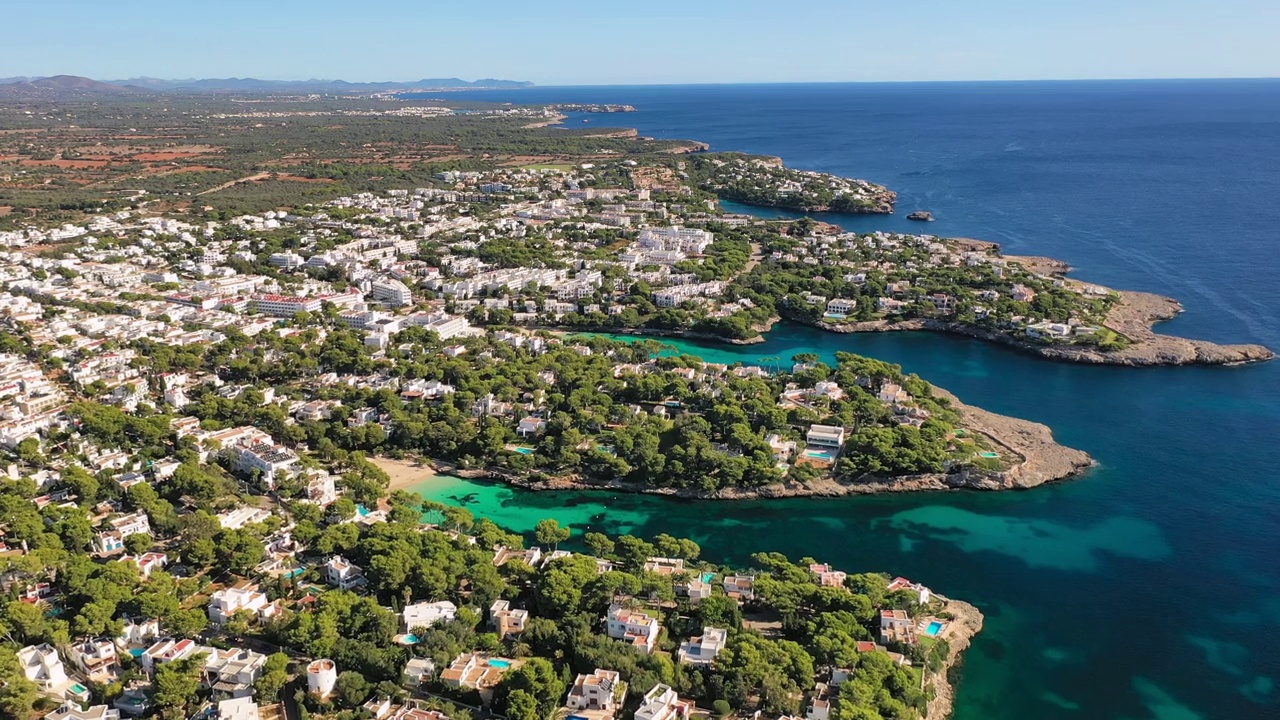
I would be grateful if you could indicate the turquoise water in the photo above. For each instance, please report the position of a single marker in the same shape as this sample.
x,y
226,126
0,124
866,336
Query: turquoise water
x,y
708,577
137,652
821,454
933,628
1149,588
1057,570
78,689
499,663
523,450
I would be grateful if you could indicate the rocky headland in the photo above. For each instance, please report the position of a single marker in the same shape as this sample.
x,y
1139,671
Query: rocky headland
x,y
1133,316
1036,458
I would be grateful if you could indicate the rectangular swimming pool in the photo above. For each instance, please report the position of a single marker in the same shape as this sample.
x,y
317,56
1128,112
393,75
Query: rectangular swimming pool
x,y
499,664
933,629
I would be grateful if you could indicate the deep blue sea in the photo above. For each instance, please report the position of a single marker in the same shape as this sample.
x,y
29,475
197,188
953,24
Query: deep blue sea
x,y
1147,589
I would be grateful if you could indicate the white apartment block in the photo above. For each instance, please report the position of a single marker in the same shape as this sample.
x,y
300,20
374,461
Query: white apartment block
x,y
684,239
391,291
284,305
673,296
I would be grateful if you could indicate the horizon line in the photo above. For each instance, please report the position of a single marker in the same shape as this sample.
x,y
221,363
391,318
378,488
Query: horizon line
x,y
536,86
556,85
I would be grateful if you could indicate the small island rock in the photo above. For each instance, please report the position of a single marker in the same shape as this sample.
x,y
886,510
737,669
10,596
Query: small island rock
x,y
921,215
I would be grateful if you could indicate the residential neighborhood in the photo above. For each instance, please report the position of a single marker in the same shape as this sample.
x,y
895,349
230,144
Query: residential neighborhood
x,y
197,413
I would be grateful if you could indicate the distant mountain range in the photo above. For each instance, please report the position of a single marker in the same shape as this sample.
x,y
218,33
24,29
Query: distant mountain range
x,y
70,85
60,86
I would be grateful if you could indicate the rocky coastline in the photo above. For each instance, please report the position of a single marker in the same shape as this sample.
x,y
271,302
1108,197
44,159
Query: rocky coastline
x,y
966,622
667,333
1040,460
1134,317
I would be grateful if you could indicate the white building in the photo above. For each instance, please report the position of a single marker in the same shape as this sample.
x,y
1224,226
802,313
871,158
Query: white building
x,y
825,436
286,260
266,458
72,711
601,693
662,703
684,239
96,659
241,516
322,676
340,573
703,650
391,291
922,593
225,603
635,627
426,614
166,651
241,708
530,426
132,524
233,672
418,670
284,305
42,666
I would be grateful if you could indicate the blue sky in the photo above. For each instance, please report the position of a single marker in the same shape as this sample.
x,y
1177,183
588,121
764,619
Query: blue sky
x,y
552,42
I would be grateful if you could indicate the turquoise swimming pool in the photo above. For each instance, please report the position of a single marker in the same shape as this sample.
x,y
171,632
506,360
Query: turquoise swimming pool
x,y
500,664
933,629
524,450
708,577
78,689
828,455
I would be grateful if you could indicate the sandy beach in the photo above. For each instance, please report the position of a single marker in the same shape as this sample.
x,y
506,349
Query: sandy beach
x,y
404,473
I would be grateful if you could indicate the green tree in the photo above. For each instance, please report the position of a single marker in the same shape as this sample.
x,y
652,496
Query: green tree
x,y
549,532
137,543
537,678
598,544
176,687
352,688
